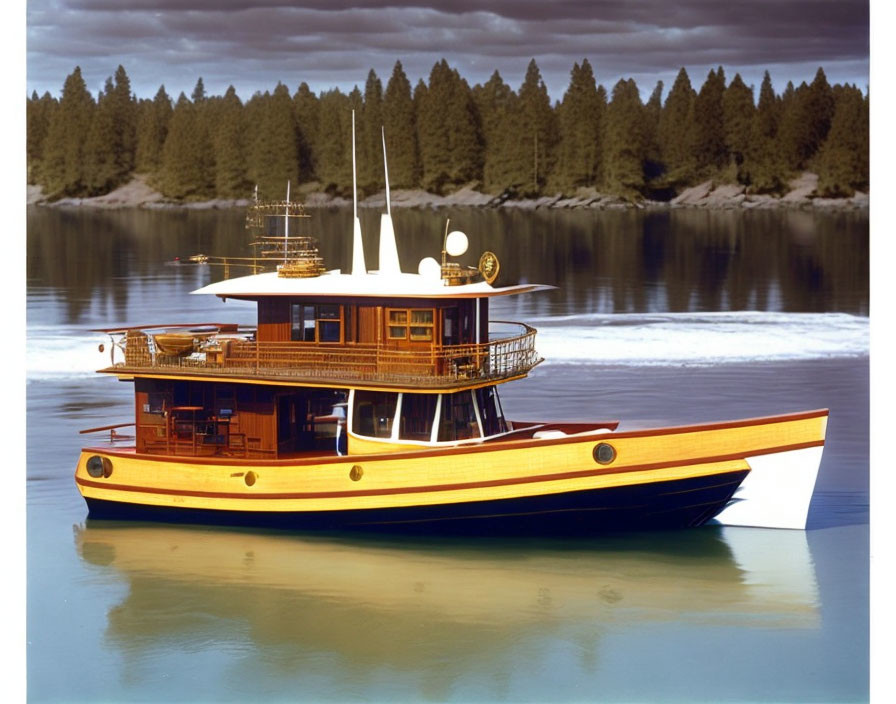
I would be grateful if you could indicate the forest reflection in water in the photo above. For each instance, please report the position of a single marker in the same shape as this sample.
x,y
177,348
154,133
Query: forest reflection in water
x,y
601,262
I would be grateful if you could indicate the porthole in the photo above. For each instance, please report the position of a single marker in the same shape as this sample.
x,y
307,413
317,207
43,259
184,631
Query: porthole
x,y
250,478
604,453
99,466
356,473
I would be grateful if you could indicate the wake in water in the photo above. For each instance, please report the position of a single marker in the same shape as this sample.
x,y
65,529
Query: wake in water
x,y
627,339
696,339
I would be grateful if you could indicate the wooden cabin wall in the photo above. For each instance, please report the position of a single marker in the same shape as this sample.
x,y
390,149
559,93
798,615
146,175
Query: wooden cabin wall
x,y
367,324
251,411
273,320
257,421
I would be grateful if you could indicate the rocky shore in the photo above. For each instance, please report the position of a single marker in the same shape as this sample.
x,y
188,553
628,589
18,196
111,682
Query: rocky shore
x,y
707,195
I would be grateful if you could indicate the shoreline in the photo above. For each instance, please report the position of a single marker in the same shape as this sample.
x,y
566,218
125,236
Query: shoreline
x,y
707,196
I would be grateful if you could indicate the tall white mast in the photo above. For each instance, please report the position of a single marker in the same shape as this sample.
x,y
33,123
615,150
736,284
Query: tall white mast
x,y
359,268
388,249
386,167
286,218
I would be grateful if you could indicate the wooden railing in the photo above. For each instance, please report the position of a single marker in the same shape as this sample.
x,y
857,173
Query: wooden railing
x,y
510,352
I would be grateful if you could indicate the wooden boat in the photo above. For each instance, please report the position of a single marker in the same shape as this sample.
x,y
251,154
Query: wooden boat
x,y
371,400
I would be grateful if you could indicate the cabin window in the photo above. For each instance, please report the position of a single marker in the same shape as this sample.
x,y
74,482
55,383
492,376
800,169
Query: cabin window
x,y
302,323
490,411
316,323
329,324
414,324
398,325
374,413
157,401
450,327
417,411
458,418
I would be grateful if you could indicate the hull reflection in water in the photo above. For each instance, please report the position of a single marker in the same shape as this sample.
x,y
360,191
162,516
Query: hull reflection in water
x,y
375,602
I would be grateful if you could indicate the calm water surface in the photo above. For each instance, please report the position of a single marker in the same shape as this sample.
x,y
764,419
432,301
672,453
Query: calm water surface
x,y
658,318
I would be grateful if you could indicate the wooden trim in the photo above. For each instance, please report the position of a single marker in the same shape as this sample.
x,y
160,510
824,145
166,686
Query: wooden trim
x,y
455,385
434,452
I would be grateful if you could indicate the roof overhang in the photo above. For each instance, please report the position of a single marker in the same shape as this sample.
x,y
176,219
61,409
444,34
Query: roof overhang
x,y
370,285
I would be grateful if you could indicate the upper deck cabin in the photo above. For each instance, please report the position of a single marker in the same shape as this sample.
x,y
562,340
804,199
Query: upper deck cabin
x,y
376,330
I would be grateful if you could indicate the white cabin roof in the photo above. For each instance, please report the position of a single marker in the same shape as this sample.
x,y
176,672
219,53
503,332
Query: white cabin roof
x,y
370,284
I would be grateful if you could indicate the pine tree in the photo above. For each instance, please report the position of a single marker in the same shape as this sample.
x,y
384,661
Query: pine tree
x,y
123,108
63,170
401,131
579,120
307,111
187,157
39,112
675,132
498,109
738,114
231,180
820,112
843,158
653,167
625,137
111,140
333,144
152,129
538,126
100,170
709,128
198,94
448,131
805,121
371,176
274,160
762,167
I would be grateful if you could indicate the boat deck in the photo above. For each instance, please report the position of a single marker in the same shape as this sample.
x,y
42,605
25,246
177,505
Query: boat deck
x,y
225,354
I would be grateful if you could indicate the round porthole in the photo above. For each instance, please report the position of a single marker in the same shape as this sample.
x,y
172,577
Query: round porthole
x,y
250,478
99,466
356,473
604,453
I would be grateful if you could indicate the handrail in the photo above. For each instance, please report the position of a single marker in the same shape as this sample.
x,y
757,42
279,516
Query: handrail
x,y
497,359
105,427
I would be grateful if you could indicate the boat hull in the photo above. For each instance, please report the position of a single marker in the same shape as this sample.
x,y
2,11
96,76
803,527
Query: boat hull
x,y
658,478
682,503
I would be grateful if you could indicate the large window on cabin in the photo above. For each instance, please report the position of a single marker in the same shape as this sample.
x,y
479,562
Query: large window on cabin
x,y
374,413
320,323
412,324
417,414
457,420
490,411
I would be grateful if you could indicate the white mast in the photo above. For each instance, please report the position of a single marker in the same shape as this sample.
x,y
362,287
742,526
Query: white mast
x,y
388,249
286,218
359,268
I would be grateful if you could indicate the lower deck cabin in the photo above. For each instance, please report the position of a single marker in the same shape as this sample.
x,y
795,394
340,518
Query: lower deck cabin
x,y
208,418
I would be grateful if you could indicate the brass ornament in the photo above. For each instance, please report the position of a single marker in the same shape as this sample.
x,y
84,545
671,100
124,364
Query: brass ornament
x,y
250,478
489,266
356,473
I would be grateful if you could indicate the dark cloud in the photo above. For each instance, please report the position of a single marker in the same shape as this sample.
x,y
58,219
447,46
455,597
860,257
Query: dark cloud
x,y
252,45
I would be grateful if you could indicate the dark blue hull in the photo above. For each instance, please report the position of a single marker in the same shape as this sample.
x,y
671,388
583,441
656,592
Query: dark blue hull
x,y
672,504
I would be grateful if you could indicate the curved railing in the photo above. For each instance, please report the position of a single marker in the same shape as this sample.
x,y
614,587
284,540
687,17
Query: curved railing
x,y
201,351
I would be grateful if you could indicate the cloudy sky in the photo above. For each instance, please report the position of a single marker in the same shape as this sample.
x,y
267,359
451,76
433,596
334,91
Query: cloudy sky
x,y
329,43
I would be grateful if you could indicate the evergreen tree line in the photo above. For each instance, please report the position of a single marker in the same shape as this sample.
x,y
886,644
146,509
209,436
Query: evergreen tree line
x,y
444,134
